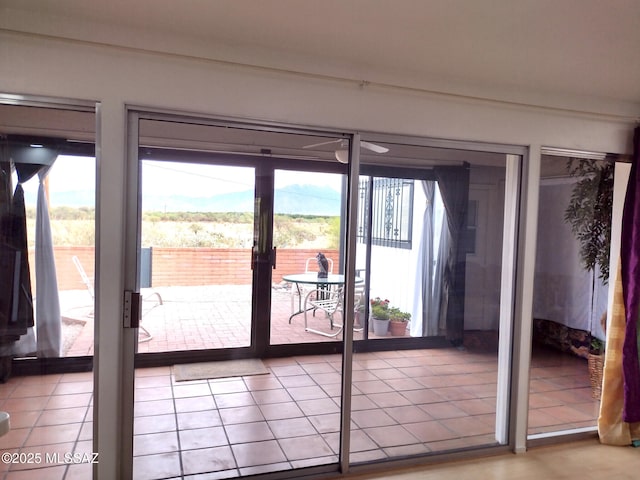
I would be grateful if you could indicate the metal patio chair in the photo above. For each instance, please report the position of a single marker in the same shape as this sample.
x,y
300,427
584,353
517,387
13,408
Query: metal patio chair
x,y
144,335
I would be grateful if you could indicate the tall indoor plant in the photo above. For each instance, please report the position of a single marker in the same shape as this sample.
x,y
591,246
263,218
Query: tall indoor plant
x,y
589,214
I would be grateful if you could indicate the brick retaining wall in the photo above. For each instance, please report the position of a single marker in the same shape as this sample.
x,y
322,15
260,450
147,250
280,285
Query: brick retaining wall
x,y
186,266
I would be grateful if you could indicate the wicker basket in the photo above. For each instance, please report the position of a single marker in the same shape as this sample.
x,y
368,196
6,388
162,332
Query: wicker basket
x,y
596,366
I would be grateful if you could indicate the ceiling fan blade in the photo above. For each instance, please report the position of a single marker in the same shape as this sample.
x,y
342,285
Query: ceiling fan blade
x,y
368,145
323,143
373,147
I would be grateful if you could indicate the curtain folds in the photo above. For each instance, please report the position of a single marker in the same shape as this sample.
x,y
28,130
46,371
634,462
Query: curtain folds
x,y
9,260
619,419
630,270
18,304
422,321
18,316
612,428
454,188
49,324
439,291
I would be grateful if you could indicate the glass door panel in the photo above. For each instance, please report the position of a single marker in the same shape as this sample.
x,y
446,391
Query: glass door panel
x,y
196,239
209,278
47,184
400,230
71,207
431,246
569,299
308,221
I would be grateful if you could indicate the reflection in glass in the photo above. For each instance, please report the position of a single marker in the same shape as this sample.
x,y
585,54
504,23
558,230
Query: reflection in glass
x,y
54,294
424,255
570,296
308,221
47,226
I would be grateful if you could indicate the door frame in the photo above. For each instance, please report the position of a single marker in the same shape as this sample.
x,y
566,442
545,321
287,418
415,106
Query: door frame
x,y
265,168
511,399
131,360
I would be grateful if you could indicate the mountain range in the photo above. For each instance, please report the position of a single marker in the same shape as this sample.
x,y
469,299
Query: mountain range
x,y
291,199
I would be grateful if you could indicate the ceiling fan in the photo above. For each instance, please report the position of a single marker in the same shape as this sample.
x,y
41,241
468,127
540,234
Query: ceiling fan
x,y
342,152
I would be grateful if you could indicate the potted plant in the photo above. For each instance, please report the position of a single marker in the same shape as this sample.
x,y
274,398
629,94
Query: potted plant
x,y
379,302
398,321
380,316
589,215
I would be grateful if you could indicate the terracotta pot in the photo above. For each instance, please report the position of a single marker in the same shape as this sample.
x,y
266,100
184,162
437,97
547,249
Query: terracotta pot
x,y
398,329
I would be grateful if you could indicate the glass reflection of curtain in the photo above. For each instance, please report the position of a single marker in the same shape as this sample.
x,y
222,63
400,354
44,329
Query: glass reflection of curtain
x,y
18,305
619,420
48,318
46,341
8,258
29,161
454,187
439,292
563,289
422,323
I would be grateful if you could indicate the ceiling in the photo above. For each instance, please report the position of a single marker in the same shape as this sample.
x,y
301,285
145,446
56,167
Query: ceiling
x,y
544,50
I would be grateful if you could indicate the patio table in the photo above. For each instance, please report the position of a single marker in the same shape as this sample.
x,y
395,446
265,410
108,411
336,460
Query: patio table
x,y
320,284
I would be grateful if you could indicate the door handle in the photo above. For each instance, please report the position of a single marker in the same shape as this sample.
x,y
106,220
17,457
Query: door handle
x,y
271,258
132,309
253,257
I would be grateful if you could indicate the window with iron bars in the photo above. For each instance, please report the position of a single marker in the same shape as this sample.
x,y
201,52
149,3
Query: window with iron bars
x,y
387,205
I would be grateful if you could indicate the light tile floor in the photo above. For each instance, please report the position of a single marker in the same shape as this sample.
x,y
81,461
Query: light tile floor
x,y
404,403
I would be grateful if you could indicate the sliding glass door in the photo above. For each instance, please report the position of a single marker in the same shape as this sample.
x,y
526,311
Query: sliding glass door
x,y
263,224
308,225
47,252
571,292
196,239
435,245
225,214
222,223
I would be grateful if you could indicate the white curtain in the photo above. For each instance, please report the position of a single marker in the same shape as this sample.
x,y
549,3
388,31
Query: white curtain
x,y
424,273
48,319
45,340
432,256
564,291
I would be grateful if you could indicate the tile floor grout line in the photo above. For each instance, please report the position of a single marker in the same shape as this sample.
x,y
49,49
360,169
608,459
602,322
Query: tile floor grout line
x,y
175,414
224,429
